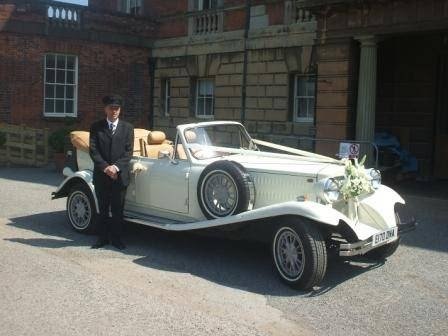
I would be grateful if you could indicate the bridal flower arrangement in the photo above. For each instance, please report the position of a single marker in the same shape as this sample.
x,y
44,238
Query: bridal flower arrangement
x,y
356,181
137,167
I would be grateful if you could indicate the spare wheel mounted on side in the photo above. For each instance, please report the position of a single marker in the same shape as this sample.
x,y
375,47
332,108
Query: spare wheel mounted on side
x,y
225,188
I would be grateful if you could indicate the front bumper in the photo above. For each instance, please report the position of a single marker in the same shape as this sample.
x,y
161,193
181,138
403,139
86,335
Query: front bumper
x,y
364,246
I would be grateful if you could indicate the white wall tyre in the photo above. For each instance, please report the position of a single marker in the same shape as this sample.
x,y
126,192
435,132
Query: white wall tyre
x,y
81,211
299,254
224,190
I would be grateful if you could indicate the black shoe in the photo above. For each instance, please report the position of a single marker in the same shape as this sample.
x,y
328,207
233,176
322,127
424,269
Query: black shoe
x,y
118,244
101,242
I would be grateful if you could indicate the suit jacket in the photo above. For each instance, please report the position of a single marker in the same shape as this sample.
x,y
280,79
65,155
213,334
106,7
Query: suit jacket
x,y
111,149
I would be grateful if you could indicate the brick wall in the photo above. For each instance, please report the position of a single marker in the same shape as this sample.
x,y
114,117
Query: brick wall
x,y
103,68
120,24
95,18
172,27
234,20
104,5
159,8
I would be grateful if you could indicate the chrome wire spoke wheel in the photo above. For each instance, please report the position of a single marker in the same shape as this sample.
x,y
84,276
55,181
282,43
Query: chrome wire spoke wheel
x,y
289,254
224,188
80,211
220,193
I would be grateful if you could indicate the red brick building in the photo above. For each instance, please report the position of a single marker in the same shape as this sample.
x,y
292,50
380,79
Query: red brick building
x,y
57,61
288,69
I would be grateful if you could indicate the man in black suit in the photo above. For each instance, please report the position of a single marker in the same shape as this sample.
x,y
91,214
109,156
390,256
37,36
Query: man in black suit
x,y
111,148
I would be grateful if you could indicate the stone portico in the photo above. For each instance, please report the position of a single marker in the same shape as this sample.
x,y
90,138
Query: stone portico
x,y
397,74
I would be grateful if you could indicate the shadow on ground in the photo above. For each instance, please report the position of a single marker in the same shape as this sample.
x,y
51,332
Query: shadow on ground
x,y
46,175
237,264
431,232
431,189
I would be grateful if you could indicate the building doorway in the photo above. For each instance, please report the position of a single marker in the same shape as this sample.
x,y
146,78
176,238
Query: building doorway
x,y
441,124
412,98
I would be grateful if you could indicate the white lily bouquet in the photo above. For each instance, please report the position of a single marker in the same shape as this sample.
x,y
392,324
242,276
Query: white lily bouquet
x,y
355,184
356,181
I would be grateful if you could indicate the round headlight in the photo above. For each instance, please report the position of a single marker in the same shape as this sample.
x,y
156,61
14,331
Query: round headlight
x,y
375,178
331,190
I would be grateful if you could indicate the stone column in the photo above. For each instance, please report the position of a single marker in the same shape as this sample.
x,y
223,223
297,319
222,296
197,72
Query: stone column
x,y
365,110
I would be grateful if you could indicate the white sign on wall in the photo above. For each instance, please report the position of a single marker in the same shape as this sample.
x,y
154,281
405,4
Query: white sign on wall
x,y
348,150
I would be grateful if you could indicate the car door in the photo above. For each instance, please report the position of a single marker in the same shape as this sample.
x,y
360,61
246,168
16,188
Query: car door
x,y
163,185
168,185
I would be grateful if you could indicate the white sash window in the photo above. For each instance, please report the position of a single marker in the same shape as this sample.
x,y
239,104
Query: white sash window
x,y
205,98
304,98
61,85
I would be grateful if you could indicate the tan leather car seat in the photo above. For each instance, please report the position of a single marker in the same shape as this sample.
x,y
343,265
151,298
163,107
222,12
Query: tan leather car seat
x,y
80,140
156,143
191,136
139,135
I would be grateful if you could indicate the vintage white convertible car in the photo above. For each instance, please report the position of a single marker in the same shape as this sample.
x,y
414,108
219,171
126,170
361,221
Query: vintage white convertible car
x,y
215,176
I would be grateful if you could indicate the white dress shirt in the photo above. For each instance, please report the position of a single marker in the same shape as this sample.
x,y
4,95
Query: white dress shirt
x,y
114,124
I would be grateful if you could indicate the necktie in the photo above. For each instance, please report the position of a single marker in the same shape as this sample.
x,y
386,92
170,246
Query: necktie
x,y
112,128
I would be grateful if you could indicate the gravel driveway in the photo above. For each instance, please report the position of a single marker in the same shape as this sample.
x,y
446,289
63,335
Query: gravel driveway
x,y
51,282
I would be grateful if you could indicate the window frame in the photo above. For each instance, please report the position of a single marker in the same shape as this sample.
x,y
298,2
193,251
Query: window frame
x,y
198,5
296,98
202,2
197,98
74,114
125,7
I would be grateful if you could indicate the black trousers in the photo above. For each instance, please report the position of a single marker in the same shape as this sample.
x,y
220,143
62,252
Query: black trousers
x,y
111,195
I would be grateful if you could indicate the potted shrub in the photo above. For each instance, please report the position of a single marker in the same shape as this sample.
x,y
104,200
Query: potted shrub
x,y
57,140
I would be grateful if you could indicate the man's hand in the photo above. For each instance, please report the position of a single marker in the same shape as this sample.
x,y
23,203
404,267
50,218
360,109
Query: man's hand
x,y
112,172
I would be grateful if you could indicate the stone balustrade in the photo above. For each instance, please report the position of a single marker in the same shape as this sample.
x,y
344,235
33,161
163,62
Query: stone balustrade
x,y
206,22
64,14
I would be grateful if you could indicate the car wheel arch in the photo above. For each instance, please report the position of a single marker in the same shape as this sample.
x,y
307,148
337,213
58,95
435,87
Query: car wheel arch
x,y
313,251
65,189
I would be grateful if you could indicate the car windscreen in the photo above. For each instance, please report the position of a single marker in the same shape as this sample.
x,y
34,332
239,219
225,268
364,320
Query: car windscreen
x,y
201,138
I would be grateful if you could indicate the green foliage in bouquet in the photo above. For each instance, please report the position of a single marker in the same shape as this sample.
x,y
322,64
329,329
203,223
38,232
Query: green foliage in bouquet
x,y
356,181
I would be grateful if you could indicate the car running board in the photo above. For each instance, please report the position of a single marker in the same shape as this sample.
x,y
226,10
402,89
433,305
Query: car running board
x,y
154,221
281,209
